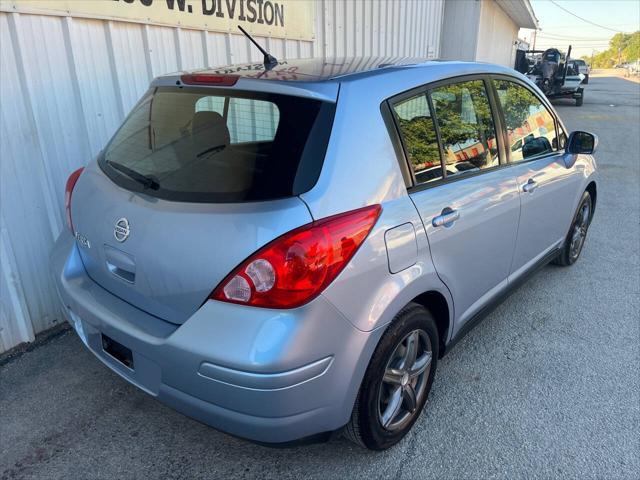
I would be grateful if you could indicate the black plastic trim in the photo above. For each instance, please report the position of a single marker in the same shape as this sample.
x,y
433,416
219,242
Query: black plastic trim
x,y
436,125
322,437
498,121
396,140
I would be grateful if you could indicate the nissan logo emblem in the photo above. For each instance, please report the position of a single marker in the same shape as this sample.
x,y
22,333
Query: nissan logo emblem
x,y
121,230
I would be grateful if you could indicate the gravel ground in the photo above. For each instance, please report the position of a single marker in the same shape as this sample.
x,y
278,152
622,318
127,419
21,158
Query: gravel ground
x,y
548,386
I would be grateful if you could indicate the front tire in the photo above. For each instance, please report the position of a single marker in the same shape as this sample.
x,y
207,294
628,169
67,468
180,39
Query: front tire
x,y
397,382
574,242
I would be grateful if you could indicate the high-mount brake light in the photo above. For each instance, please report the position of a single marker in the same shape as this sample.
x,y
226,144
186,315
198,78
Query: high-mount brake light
x,y
68,191
296,267
209,79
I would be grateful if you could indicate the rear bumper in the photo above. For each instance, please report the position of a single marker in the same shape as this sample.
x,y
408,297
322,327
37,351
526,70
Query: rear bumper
x,y
267,375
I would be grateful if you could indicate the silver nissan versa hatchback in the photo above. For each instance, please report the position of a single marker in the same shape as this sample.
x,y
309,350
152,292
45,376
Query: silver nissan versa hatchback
x,y
284,253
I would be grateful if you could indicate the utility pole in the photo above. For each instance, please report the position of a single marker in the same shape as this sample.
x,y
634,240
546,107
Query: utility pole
x,y
535,35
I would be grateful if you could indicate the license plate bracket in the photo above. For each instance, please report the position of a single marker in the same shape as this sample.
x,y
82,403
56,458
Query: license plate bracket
x,y
118,351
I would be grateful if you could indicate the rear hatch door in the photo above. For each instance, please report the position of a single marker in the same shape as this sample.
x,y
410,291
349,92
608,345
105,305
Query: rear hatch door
x,y
194,182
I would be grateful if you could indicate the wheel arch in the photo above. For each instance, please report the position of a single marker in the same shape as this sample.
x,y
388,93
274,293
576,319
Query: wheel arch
x,y
593,191
438,306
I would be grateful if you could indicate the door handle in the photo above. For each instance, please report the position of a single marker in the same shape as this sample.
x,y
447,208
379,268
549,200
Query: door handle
x,y
126,275
530,186
120,264
446,218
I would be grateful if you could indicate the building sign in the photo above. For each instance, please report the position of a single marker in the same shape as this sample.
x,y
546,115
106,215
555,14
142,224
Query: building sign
x,y
273,18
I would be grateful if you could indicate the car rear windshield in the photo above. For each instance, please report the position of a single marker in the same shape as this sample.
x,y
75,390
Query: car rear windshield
x,y
216,145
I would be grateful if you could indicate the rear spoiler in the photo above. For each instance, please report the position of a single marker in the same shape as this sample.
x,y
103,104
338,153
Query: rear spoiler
x,y
326,91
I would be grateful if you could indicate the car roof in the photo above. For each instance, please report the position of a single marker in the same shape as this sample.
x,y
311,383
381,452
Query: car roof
x,y
330,68
322,78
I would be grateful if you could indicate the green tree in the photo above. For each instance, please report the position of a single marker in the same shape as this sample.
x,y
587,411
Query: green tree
x,y
623,47
515,102
631,52
464,117
420,139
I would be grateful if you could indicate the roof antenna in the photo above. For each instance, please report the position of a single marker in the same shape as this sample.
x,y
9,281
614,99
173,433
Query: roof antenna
x,y
269,60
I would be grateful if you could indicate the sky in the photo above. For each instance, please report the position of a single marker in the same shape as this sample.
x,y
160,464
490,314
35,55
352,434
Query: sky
x,y
560,29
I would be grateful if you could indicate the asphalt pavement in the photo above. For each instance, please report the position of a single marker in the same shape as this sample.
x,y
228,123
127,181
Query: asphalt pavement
x,y
548,386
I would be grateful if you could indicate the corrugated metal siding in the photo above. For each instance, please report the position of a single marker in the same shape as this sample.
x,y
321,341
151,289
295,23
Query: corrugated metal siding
x,y
460,30
478,30
67,83
497,35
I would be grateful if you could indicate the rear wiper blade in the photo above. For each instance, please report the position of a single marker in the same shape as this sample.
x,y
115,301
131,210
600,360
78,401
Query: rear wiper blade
x,y
147,182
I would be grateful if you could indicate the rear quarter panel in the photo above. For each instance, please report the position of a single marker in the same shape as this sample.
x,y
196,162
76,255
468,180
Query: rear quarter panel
x,y
361,168
367,294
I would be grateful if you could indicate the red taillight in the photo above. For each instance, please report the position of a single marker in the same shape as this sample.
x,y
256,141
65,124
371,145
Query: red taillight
x,y
209,79
294,268
68,191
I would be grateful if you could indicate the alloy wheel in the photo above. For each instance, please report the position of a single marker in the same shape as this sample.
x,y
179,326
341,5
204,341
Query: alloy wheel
x,y
404,381
580,227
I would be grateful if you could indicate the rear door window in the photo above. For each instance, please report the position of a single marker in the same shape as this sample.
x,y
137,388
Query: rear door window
x,y
210,145
467,130
418,133
530,126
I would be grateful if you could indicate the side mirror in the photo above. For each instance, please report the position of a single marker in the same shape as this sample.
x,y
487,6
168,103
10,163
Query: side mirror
x,y
582,142
536,146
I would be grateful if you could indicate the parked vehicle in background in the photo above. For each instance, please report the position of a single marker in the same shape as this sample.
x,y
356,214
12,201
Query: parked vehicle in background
x,y
579,66
554,74
285,251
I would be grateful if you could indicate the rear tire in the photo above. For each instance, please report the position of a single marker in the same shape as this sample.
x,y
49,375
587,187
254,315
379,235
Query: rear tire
x,y
580,99
393,393
586,79
574,242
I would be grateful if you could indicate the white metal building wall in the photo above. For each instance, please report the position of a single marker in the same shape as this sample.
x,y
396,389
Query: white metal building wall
x,y
478,30
460,30
497,35
66,83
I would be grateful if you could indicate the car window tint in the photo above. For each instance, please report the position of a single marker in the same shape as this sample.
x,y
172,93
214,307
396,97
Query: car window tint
x,y
210,104
252,120
248,120
530,126
227,146
419,137
467,131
